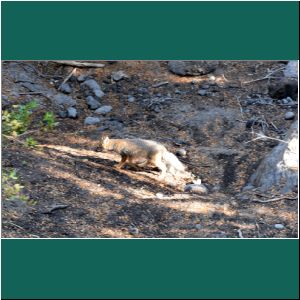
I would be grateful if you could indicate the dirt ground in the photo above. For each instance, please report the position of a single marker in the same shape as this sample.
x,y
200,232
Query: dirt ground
x,y
103,202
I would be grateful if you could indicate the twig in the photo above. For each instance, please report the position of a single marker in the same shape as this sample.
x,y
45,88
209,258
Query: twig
x,y
239,103
67,78
13,139
240,233
160,84
262,136
268,76
11,223
79,64
274,199
31,93
55,207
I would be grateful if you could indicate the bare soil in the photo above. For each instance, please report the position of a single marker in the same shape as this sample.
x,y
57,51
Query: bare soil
x,y
103,202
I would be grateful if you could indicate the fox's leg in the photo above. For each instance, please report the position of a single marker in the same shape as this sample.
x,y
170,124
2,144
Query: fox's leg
x,y
157,162
122,162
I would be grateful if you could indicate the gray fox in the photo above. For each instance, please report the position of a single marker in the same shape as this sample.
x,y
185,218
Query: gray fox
x,y
139,152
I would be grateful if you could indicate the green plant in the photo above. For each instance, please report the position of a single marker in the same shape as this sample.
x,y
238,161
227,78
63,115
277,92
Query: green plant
x,y
31,142
11,189
17,121
49,121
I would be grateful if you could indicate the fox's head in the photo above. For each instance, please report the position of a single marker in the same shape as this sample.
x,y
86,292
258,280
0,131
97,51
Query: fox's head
x,y
103,143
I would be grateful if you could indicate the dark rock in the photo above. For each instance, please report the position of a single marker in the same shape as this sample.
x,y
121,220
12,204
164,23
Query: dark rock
x,y
64,100
65,88
103,109
279,169
202,92
192,68
289,115
196,188
91,86
92,103
62,113
117,76
91,121
72,112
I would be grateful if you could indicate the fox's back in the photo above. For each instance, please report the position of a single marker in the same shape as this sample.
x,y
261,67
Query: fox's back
x,y
137,147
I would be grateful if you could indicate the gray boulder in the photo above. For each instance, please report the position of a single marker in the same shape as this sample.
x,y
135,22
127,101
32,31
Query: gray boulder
x,y
279,169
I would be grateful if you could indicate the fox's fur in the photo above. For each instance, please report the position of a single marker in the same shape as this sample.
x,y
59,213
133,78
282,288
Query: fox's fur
x,y
139,152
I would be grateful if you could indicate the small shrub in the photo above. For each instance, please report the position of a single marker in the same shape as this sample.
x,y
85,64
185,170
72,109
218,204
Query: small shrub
x,y
31,142
49,121
11,189
17,121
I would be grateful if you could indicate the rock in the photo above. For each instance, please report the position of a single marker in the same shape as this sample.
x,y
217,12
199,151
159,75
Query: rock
x,y
64,100
133,230
205,86
92,103
279,226
181,152
159,195
291,69
103,109
65,88
117,76
33,87
279,169
198,226
91,86
72,112
248,187
196,188
82,78
131,99
91,121
283,88
192,68
289,115
202,92
62,113
23,77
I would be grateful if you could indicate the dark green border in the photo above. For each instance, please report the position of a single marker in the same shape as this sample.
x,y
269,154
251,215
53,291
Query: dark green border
x,y
150,30
185,269
173,269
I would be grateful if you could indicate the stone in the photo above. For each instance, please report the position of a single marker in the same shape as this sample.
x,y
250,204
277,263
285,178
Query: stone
x,y
196,188
103,109
279,226
202,92
289,115
117,76
92,103
91,121
81,78
192,68
131,99
133,230
181,152
72,112
279,169
159,195
291,69
198,226
62,113
64,100
65,88
92,86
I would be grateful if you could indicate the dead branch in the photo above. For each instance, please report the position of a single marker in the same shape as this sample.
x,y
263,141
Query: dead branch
x,y
262,137
67,78
55,207
268,76
78,64
275,199
160,84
